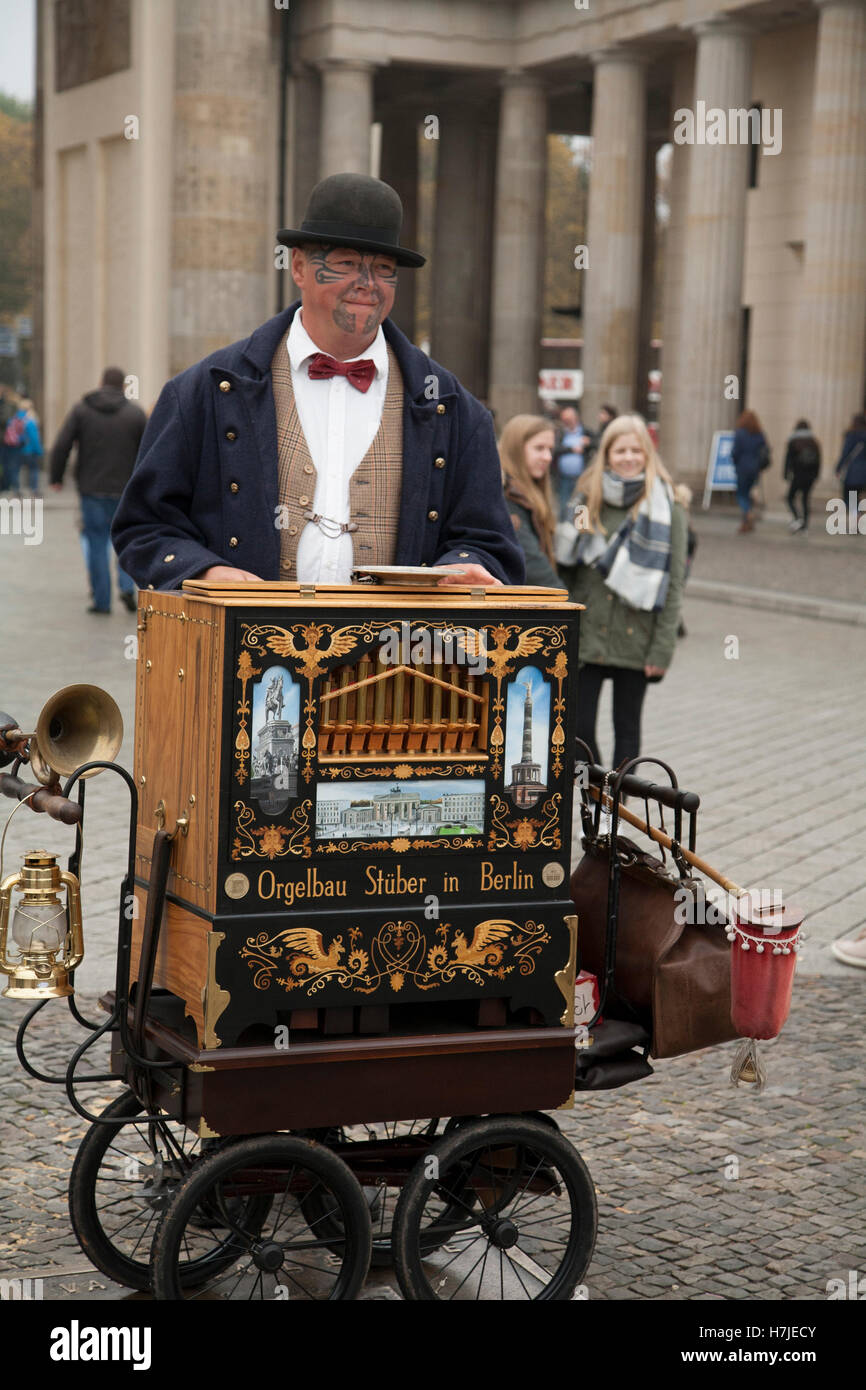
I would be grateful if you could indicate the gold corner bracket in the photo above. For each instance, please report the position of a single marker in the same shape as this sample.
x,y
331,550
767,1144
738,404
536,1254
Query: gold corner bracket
x,y
565,977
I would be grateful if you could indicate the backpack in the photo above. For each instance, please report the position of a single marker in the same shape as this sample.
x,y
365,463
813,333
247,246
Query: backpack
x,y
13,436
807,453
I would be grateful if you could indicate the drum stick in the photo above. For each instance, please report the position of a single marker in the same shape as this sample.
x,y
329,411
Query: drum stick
x,y
661,838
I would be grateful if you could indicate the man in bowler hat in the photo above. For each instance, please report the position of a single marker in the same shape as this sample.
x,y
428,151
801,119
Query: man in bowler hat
x,y
325,441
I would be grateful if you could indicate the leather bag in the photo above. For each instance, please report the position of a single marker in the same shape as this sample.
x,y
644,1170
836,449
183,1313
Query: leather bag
x,y
672,977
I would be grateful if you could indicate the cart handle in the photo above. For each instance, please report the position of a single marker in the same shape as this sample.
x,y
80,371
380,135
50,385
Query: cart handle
x,y
675,798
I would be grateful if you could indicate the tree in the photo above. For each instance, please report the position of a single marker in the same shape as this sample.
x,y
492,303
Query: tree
x,y
565,219
16,161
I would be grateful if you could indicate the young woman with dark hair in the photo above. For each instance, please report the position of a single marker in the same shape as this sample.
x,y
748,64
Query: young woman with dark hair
x,y
526,453
750,454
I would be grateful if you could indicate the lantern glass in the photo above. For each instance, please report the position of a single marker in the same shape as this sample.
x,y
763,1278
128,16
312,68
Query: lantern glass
x,y
39,926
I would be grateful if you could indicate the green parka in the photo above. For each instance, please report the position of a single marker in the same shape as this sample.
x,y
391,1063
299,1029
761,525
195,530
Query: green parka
x,y
612,633
539,570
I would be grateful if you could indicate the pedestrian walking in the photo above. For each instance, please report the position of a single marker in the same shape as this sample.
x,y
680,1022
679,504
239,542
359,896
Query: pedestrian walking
x,y
7,410
631,563
23,448
568,455
802,466
606,413
525,452
750,455
851,468
106,429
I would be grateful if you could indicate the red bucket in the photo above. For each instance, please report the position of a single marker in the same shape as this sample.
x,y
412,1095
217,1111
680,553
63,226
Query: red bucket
x,y
765,940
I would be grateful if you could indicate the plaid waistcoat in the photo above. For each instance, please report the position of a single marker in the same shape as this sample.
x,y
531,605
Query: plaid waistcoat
x,y
374,488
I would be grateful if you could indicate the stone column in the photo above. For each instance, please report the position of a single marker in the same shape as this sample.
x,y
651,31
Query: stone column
x,y
518,247
461,263
399,167
833,308
649,246
305,124
675,362
347,115
224,170
713,253
611,309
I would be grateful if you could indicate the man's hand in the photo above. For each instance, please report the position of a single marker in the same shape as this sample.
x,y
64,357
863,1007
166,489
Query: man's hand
x,y
56,487
471,574
650,671
226,574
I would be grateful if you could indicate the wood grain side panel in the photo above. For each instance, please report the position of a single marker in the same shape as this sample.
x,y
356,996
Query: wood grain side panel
x,y
178,729
182,956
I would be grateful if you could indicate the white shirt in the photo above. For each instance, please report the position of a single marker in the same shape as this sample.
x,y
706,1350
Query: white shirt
x,y
339,424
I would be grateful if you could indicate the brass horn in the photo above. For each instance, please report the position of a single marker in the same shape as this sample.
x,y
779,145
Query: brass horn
x,y
80,724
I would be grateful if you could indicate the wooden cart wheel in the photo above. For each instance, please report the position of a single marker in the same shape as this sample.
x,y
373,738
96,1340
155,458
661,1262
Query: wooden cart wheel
x,y
276,1253
516,1208
121,1181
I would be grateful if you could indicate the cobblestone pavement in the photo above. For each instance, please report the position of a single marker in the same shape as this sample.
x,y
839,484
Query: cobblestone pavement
x,y
704,1191
769,729
814,564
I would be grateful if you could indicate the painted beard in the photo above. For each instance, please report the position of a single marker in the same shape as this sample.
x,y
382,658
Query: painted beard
x,y
358,318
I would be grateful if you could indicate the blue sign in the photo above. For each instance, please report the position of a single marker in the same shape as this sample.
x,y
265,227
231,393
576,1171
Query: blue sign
x,y
721,474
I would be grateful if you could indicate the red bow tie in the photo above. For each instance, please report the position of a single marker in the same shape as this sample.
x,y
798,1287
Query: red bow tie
x,y
360,374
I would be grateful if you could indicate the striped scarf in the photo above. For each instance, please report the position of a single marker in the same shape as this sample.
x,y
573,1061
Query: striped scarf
x,y
636,559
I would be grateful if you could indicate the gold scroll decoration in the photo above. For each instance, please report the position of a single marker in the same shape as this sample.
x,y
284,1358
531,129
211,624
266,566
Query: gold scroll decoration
x,y
403,771
525,832
400,951
272,841
399,845
558,670
246,671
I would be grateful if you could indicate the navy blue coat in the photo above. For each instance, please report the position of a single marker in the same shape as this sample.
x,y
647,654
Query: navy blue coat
x,y
179,512
852,461
746,455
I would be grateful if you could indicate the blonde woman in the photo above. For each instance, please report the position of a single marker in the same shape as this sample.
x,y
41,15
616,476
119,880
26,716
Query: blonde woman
x,y
526,453
629,574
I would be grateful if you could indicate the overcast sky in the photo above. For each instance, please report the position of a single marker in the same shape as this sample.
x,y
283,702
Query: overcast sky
x,y
17,46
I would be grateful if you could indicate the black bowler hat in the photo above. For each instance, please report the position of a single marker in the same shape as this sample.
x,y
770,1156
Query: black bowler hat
x,y
354,210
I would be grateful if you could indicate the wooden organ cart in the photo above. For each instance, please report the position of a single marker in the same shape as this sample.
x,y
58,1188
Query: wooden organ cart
x,y
347,915
367,916
352,825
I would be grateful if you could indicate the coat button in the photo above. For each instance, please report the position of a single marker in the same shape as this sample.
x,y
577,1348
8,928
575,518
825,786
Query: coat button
x,y
225,386
308,468
168,559
233,541
440,410
230,434
293,530
438,463
629,631
433,516
304,499
233,487
464,555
